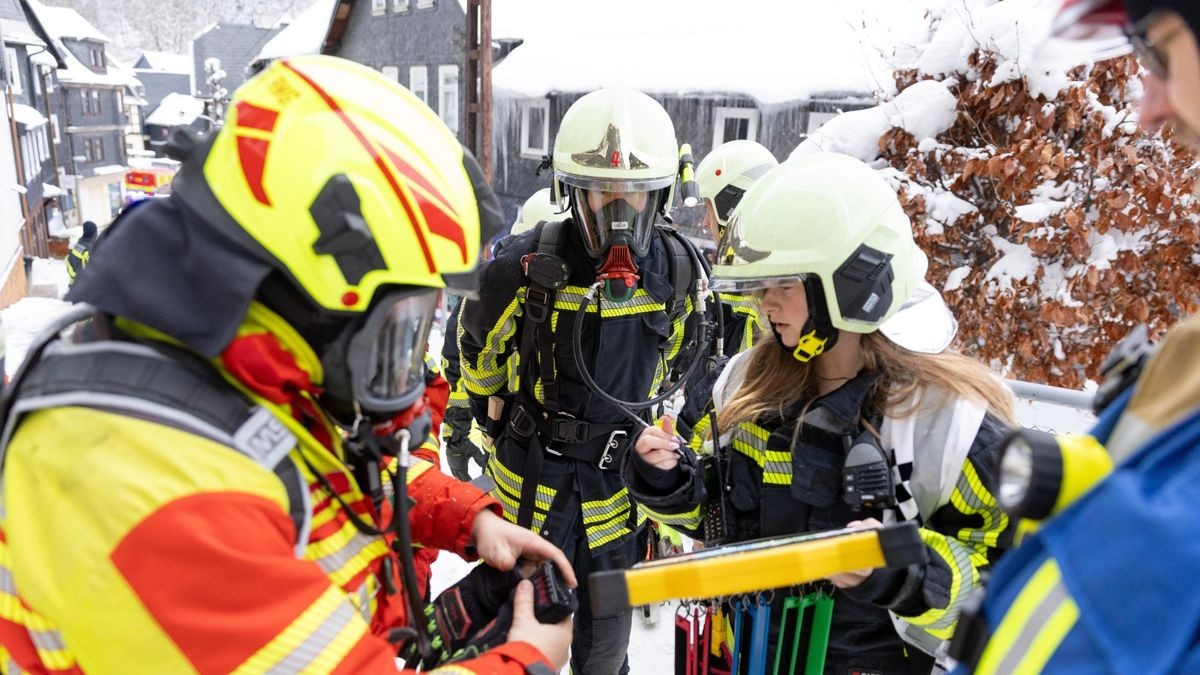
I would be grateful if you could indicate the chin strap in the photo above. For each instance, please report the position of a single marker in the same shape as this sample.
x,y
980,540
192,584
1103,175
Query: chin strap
x,y
619,274
818,333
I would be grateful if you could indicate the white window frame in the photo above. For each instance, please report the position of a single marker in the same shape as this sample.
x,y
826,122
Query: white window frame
x,y
378,7
391,72
400,6
527,107
54,127
36,80
723,114
96,107
12,69
449,114
425,4
821,117
421,91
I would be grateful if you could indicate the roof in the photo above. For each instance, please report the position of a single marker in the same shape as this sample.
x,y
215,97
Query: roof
x,y
176,110
63,23
305,35
164,62
19,32
28,116
108,169
770,50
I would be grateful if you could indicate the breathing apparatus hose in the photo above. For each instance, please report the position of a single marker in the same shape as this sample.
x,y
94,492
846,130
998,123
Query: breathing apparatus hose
x,y
403,544
629,408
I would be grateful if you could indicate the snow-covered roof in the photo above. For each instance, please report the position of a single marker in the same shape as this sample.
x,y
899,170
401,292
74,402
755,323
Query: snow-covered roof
x,y
64,22
28,116
771,50
175,110
109,169
52,191
305,35
18,32
166,62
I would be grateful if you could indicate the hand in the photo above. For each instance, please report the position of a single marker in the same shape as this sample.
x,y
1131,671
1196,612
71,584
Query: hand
x,y
551,639
659,447
852,579
501,543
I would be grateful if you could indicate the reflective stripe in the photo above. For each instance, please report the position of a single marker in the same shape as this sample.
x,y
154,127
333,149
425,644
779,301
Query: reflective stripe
x,y
971,497
47,640
513,482
487,375
1034,626
751,440
319,638
508,493
607,520
604,509
569,298
690,520
940,622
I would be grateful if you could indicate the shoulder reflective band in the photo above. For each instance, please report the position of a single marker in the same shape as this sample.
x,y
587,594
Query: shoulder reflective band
x,y
754,566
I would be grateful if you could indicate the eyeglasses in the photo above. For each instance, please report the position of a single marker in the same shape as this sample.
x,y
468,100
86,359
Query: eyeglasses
x,y
1148,51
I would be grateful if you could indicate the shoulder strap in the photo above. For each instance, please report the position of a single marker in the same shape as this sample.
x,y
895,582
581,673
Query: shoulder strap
x,y
176,390
545,272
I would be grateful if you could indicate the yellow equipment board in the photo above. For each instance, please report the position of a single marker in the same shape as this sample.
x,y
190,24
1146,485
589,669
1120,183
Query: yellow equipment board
x,y
758,565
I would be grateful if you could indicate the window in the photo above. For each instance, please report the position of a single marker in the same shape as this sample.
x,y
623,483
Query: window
x,y
54,127
91,101
36,76
120,101
26,158
535,128
391,72
12,70
448,96
418,82
378,7
735,124
425,4
816,120
399,6
97,56
93,149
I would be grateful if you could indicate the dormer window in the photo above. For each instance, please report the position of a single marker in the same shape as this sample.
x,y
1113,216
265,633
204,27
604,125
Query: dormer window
x,y
97,55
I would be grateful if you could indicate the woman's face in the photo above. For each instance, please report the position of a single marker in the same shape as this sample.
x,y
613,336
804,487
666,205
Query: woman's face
x,y
1176,100
786,308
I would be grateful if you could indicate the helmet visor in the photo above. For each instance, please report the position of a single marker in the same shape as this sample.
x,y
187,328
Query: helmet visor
x,y
736,264
1086,31
611,218
387,355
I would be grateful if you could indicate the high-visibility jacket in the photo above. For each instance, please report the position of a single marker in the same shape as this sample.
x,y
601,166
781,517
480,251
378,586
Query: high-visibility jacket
x,y
129,543
942,460
1108,585
743,321
77,257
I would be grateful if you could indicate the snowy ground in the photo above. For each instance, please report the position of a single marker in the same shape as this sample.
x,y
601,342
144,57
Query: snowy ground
x,y
650,649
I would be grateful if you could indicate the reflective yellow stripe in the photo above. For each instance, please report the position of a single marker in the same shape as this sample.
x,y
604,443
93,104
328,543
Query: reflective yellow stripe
x,y
971,497
569,298
315,642
1033,627
940,622
690,520
751,440
602,509
487,375
700,433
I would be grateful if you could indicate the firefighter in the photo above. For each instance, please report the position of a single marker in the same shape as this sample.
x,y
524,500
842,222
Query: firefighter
x,y
211,470
558,442
79,254
832,423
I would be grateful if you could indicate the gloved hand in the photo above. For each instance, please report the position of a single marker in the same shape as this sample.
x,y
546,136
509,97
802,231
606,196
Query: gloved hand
x,y
474,612
460,450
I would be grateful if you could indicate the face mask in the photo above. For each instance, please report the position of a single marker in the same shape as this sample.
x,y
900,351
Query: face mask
x,y
375,368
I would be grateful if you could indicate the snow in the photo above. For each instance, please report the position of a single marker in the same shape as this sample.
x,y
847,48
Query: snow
x,y
925,110
176,109
765,49
28,116
18,32
109,169
1013,31
166,62
305,35
1039,211
51,191
955,279
1016,263
65,23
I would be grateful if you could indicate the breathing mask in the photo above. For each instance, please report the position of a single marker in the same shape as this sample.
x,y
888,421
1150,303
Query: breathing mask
x,y
617,225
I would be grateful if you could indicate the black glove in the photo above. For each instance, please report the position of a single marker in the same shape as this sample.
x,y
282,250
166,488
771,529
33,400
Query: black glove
x,y
460,450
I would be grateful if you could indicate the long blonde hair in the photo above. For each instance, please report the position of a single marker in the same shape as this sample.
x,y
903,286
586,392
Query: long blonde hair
x,y
775,380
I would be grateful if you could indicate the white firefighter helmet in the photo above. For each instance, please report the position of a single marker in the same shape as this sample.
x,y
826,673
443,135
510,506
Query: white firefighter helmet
x,y
728,171
832,222
615,163
536,209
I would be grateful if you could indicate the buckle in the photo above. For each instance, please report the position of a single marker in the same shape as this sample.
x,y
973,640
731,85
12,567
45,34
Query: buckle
x,y
522,422
610,449
568,430
537,304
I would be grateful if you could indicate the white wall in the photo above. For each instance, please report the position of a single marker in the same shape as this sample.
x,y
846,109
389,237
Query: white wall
x,y
10,201
93,198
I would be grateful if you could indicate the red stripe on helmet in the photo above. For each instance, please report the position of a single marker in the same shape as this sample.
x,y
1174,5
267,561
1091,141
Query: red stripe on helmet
x,y
252,155
254,117
441,223
379,162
